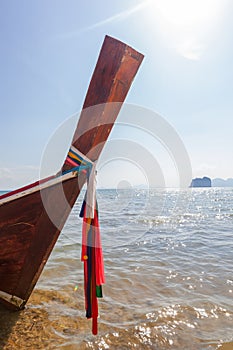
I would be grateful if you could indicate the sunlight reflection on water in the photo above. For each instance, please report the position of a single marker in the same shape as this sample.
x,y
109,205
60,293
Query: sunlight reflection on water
x,y
168,279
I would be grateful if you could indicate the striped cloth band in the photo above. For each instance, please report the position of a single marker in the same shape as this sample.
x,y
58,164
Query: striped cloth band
x,y
78,159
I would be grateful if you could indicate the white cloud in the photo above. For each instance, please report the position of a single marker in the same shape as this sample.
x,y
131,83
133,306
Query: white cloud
x,y
115,18
190,49
205,167
11,178
119,16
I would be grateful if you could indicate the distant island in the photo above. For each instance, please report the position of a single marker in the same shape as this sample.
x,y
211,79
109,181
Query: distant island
x,y
218,182
207,182
201,182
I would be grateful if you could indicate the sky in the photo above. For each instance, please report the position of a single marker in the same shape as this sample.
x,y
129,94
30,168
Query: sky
x,y
185,85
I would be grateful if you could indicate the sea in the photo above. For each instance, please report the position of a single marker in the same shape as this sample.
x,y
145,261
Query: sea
x,y
168,257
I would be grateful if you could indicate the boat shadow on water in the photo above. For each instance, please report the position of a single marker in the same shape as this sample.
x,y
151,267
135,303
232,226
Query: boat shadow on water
x,y
22,329
40,327
8,320
49,320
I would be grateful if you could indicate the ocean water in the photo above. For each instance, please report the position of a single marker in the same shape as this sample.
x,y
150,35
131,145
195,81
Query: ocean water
x,y
169,278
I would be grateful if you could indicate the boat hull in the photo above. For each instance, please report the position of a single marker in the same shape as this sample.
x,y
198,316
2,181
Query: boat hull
x,y
32,218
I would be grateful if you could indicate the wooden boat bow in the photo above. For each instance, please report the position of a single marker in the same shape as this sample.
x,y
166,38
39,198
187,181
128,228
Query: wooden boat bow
x,y
32,217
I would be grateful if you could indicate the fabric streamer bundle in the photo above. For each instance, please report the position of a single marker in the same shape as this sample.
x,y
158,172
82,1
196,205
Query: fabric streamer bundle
x,y
91,255
92,258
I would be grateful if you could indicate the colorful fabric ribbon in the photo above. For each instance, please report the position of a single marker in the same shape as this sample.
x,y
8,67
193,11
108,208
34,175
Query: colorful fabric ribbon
x,y
92,254
80,162
92,258
76,158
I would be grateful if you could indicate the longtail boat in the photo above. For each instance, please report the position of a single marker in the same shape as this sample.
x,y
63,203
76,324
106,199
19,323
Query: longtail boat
x,y
32,217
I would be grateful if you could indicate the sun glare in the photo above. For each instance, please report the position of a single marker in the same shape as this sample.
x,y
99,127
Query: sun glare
x,y
186,25
182,13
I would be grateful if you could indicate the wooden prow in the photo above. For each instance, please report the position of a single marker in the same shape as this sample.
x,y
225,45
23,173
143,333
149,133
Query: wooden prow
x,y
104,98
32,218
